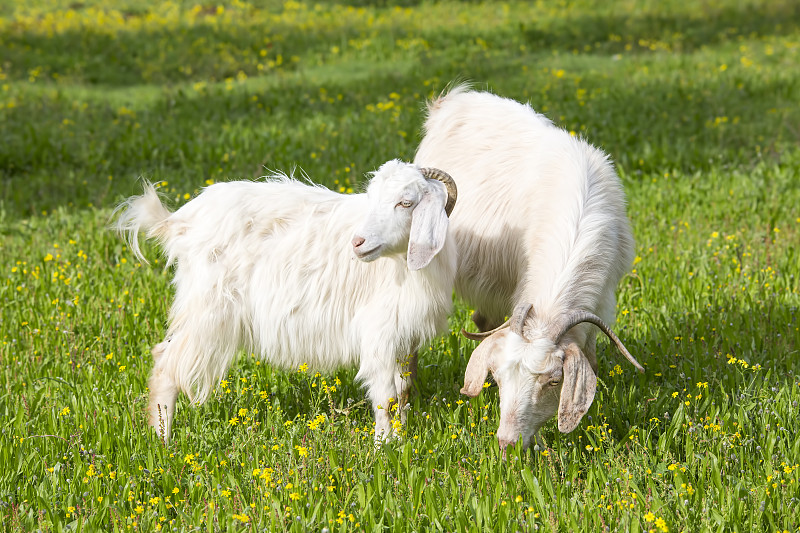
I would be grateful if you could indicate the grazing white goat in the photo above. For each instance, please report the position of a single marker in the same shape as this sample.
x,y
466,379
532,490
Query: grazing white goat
x,y
541,229
281,268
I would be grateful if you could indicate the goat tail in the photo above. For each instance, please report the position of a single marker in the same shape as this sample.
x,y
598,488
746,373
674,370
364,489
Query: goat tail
x,y
456,86
137,213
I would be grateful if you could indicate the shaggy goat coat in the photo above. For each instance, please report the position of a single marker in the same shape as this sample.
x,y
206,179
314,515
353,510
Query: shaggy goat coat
x,y
269,267
541,222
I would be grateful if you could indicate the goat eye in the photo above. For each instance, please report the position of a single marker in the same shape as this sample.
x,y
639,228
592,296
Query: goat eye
x,y
555,382
405,203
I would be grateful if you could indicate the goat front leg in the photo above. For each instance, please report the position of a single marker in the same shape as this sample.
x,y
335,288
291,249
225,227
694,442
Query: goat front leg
x,y
404,383
378,376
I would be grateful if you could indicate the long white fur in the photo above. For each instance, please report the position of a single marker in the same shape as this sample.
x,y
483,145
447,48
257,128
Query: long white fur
x,y
541,220
269,266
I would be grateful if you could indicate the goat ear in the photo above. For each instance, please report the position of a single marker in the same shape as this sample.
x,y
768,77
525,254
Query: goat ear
x,y
483,360
577,392
428,227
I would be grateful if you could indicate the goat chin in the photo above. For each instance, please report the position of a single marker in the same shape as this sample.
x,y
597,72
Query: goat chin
x,y
269,267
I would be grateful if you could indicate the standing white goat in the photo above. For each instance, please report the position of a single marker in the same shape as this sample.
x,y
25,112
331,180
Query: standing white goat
x,y
273,267
541,229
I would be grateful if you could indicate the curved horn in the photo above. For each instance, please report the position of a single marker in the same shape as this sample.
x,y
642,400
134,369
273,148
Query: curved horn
x,y
483,334
516,322
518,318
574,318
447,181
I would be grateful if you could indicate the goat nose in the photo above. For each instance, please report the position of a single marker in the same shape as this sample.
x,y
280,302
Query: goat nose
x,y
506,447
357,241
505,443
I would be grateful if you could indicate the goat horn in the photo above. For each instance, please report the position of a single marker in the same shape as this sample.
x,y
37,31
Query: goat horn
x,y
576,317
483,334
518,318
516,322
447,181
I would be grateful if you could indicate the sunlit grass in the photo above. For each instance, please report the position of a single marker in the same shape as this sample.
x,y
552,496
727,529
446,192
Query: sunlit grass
x,y
697,104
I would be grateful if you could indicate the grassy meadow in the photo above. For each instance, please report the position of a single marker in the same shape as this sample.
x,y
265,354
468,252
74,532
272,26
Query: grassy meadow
x,y
696,102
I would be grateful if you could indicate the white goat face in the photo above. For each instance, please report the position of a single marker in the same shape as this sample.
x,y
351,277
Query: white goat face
x,y
536,380
528,375
406,216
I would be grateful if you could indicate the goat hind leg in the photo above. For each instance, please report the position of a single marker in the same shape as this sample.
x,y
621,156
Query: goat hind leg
x,y
163,392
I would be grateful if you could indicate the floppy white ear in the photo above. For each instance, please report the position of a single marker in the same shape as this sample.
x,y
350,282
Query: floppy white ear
x,y
577,392
428,227
483,360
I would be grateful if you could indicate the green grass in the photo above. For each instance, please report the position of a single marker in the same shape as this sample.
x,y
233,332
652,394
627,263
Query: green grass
x,y
696,103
